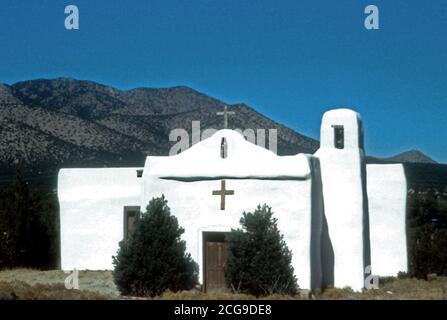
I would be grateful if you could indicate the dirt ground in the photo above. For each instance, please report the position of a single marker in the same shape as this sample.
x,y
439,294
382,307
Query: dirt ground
x,y
34,284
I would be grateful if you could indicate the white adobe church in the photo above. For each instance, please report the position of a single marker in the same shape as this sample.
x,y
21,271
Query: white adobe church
x,y
338,215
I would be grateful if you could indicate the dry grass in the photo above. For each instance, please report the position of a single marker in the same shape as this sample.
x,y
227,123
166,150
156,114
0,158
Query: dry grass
x,y
22,291
199,295
94,281
395,289
31,284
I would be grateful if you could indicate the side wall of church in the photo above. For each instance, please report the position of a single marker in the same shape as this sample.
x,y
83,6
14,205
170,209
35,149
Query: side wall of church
x,y
387,193
91,214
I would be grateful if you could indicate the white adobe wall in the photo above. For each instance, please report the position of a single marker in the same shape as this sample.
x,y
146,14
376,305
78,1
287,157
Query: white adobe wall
x,y
387,193
256,175
91,214
197,210
245,160
342,172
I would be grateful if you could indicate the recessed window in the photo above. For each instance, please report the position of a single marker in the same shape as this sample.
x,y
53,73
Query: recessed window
x,y
223,148
131,216
339,136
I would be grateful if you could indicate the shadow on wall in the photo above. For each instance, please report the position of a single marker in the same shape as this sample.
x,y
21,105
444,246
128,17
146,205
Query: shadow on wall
x,y
327,257
322,257
322,252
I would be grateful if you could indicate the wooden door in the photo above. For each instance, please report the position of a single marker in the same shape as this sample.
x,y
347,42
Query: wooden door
x,y
215,255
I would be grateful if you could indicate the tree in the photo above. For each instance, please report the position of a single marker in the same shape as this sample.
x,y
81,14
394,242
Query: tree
x,y
429,253
153,259
427,233
28,228
258,261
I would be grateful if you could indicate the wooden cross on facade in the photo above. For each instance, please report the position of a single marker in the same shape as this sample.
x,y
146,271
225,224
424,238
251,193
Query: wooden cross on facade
x,y
222,193
225,113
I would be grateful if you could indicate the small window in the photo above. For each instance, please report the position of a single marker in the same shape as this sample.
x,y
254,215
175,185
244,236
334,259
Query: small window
x,y
223,148
131,215
339,137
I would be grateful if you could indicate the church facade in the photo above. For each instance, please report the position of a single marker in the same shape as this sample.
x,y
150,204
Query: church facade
x,y
341,218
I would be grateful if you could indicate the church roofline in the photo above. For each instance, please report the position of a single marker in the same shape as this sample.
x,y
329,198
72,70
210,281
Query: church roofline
x,y
244,160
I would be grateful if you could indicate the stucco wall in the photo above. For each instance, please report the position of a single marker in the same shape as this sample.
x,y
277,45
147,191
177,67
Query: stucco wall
x,y
91,214
197,210
92,200
387,193
256,175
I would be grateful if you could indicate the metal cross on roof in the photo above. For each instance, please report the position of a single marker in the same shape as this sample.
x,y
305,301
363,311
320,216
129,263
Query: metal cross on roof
x,y
225,113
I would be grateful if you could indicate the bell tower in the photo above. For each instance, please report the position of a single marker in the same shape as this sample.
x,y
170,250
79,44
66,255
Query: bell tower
x,y
343,173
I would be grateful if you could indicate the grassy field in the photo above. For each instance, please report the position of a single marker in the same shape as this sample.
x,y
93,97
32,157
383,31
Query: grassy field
x,y
33,284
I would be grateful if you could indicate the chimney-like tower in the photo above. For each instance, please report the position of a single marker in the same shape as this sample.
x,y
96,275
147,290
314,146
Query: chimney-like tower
x,y
343,173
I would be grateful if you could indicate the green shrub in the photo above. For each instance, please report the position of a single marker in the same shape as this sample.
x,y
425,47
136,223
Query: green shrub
x,y
153,259
259,262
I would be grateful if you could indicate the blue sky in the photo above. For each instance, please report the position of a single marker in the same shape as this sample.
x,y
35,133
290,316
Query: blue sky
x,y
290,60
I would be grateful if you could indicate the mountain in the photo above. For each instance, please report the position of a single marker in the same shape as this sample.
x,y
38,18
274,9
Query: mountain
x,y
412,156
49,124
68,122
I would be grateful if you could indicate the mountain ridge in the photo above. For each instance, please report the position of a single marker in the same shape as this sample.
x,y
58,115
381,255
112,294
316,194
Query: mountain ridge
x,y
70,122
412,156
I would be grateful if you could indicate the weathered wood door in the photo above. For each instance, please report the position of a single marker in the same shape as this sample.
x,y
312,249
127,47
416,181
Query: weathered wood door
x,y
215,255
